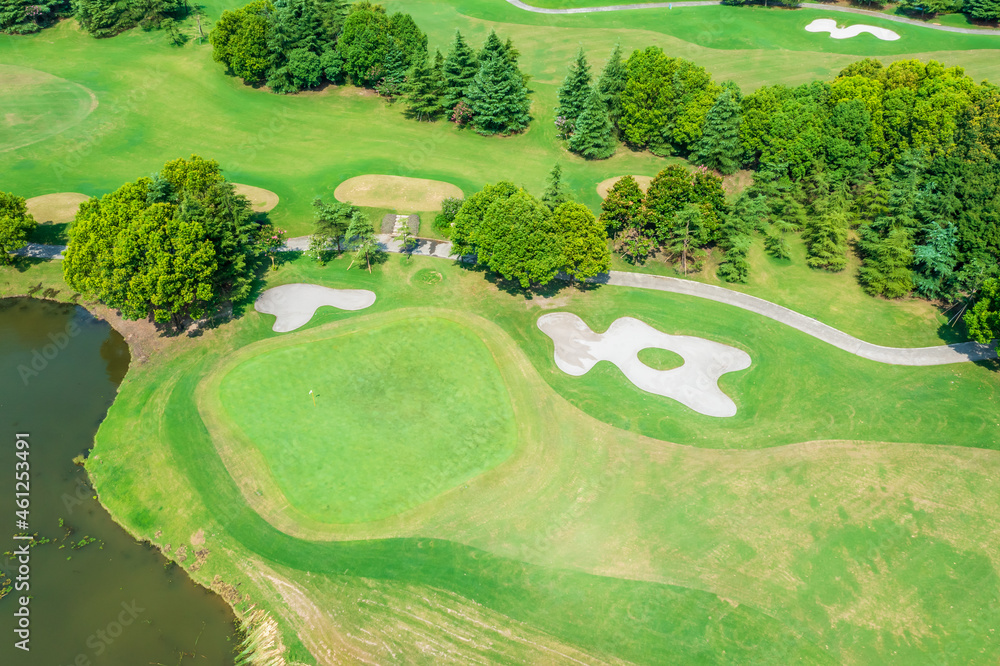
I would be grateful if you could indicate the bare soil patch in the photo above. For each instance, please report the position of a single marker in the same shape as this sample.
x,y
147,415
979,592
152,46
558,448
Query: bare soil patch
x,y
261,200
395,192
58,208
605,186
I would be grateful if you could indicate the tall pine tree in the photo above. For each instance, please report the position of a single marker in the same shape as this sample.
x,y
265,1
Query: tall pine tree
x,y
555,194
573,94
497,96
594,138
719,145
612,83
423,92
984,10
460,69
294,28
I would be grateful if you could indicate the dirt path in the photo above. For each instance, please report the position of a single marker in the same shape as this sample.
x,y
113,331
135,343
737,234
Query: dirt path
x,y
701,3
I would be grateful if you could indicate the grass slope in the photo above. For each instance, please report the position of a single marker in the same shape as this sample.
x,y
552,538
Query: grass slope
x,y
591,539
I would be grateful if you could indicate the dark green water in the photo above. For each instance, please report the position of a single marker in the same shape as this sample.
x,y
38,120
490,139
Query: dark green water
x,y
112,601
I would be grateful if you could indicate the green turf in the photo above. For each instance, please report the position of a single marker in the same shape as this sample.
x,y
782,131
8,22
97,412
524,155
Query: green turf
x,y
390,402
170,101
843,516
603,541
660,359
35,105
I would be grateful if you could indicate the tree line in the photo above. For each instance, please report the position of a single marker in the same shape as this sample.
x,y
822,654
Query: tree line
x,y
293,45
505,229
100,18
980,10
484,89
900,161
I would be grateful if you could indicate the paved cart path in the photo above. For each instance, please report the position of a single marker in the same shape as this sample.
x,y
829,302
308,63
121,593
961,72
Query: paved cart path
x,y
941,355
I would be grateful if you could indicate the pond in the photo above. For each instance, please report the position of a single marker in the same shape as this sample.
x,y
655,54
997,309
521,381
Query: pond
x,y
96,595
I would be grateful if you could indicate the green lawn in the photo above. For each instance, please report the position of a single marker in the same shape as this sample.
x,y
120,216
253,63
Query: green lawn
x,y
608,536
514,513
157,102
347,424
834,298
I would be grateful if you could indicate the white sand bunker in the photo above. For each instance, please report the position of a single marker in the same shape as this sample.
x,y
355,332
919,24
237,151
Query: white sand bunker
x,y
295,304
830,26
695,384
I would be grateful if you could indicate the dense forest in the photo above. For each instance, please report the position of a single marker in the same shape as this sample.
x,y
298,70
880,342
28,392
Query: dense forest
x,y
293,45
101,18
900,161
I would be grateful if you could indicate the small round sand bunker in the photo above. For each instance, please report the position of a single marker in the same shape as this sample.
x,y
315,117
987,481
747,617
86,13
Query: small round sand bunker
x,y
605,186
396,192
58,208
261,200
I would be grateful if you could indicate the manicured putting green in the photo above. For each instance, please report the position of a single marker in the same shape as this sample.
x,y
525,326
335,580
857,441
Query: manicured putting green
x,y
35,105
397,192
402,412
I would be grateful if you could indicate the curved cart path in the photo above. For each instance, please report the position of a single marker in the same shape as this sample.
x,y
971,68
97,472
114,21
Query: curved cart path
x,y
942,355
700,3
957,353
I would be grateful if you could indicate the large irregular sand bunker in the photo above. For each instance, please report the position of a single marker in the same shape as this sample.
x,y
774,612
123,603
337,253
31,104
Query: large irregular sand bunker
x,y
830,26
295,304
396,192
695,384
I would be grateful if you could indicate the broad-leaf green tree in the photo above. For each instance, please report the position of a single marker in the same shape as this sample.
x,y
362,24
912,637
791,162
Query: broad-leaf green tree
x,y
983,318
16,224
620,209
584,241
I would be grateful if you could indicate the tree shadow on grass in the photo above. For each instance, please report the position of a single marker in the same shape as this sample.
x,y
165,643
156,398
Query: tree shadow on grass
x,y
560,284
24,264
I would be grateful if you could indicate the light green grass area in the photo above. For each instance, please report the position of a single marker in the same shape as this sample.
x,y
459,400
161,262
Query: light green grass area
x,y
834,298
35,105
348,425
660,359
592,539
512,512
171,101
